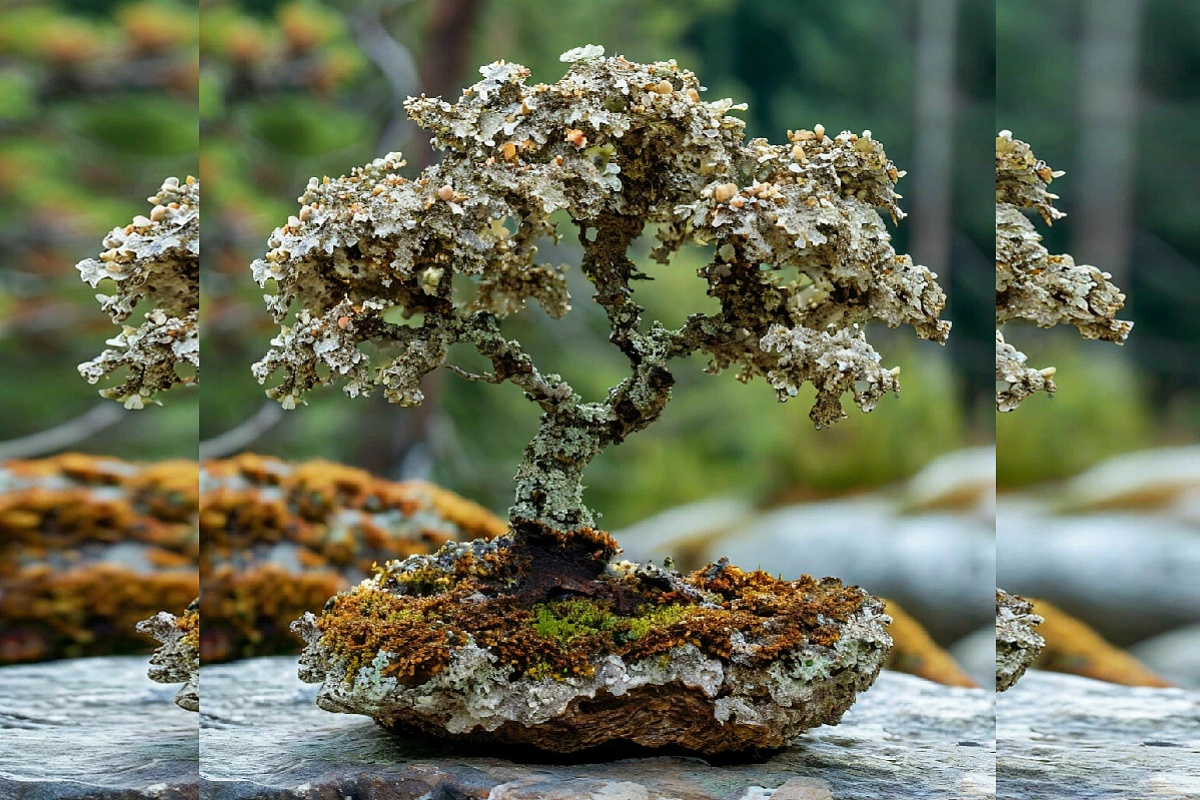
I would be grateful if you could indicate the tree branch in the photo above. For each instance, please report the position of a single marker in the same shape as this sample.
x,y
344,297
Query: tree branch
x,y
243,434
64,436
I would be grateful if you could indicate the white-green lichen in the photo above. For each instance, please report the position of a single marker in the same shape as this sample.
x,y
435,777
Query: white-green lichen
x,y
1035,286
177,660
1017,643
154,260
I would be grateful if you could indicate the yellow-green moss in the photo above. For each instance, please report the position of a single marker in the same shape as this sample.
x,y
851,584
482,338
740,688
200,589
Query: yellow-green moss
x,y
564,638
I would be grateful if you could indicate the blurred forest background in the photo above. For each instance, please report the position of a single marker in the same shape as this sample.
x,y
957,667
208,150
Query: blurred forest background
x,y
98,104
1108,91
290,90
1099,484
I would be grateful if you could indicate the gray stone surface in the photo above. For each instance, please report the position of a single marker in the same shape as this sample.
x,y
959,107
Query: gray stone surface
x,y
262,736
94,728
1061,737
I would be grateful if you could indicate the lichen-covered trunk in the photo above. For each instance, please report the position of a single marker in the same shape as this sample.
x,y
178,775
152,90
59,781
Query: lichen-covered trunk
x,y
550,478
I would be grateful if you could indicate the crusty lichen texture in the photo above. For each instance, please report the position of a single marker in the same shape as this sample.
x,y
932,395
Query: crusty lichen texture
x,y
1035,286
178,659
620,147
1017,643
505,641
154,260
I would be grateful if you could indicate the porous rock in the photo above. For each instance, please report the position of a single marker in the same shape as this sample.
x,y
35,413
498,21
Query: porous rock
x,y
465,644
1017,643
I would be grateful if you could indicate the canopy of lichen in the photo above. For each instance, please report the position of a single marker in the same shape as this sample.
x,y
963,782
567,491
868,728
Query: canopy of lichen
x,y
1032,284
154,260
619,146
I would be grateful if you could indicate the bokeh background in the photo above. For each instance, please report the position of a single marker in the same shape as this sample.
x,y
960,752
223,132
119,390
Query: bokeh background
x,y
296,89
98,104
1100,484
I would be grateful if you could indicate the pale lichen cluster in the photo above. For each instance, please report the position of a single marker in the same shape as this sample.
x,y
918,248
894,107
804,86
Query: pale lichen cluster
x,y
1017,643
1035,286
801,257
154,260
178,659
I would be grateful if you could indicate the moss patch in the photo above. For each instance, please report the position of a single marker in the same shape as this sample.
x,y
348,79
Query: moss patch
x,y
631,614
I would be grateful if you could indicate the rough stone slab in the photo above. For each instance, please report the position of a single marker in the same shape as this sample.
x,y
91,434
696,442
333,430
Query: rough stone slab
x,y
262,736
1061,737
94,728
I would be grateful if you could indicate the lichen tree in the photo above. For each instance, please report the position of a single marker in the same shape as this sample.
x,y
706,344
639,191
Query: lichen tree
x,y
619,146
153,260
1032,284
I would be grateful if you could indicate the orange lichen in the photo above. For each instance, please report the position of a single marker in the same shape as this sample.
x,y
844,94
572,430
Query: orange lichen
x,y
420,616
90,546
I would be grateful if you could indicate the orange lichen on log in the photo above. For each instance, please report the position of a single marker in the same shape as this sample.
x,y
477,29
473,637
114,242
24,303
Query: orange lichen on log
x,y
280,538
89,546
1073,647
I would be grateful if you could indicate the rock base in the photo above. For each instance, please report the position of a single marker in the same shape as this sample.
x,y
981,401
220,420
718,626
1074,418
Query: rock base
x,y
94,729
1017,644
519,643
178,659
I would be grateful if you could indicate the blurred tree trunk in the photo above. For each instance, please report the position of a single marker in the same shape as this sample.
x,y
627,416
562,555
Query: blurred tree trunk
x,y
445,52
400,449
1102,223
933,144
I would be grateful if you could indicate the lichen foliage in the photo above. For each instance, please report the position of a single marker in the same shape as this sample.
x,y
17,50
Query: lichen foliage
x,y
1032,284
618,146
153,260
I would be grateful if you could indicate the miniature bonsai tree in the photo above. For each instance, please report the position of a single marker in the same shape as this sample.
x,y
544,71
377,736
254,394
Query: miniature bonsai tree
x,y
1032,284
543,616
155,260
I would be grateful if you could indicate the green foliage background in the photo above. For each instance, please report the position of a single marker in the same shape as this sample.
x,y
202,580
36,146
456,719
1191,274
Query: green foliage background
x,y
97,107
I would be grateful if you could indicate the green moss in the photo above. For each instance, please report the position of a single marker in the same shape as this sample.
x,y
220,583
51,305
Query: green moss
x,y
650,617
569,620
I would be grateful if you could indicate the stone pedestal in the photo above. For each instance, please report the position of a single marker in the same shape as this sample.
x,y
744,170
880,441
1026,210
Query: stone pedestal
x,y
263,737
1061,737
94,729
